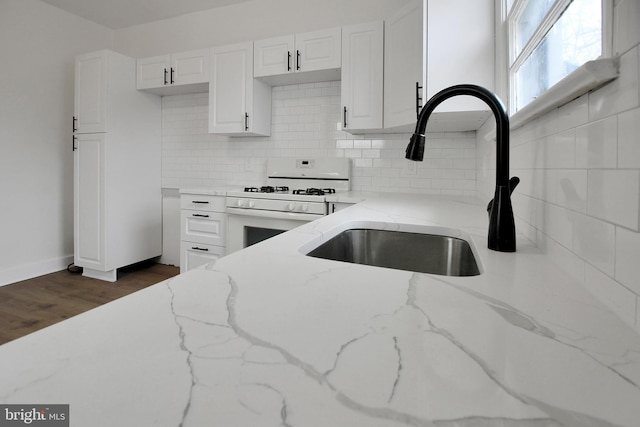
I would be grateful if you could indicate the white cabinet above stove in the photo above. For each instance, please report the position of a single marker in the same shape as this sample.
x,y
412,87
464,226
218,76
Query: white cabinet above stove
x,y
299,58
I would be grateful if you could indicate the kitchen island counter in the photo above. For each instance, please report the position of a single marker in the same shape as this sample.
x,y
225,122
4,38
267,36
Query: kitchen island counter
x,y
270,337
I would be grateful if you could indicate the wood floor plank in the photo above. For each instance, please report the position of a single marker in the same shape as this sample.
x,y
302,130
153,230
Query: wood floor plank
x,y
34,304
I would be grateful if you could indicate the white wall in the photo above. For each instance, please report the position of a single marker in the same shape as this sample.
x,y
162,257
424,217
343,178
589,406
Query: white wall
x,y
38,44
246,21
579,198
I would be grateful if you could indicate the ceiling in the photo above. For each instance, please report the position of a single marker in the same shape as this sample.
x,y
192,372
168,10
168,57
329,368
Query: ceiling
x,y
117,14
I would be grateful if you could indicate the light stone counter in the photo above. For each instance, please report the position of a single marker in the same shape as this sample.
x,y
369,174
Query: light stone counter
x,y
209,191
270,337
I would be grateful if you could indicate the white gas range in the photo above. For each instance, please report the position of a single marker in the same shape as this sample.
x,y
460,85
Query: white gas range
x,y
295,193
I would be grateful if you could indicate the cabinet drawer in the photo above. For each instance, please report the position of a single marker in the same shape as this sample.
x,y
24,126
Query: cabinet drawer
x,y
203,227
193,255
202,202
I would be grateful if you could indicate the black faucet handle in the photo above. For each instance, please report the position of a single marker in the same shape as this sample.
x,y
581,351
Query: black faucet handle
x,y
513,183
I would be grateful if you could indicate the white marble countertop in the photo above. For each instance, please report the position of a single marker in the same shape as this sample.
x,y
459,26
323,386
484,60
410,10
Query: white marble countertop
x,y
209,191
270,337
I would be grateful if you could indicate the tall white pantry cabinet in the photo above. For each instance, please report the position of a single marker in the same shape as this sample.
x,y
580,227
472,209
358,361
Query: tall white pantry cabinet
x,y
116,146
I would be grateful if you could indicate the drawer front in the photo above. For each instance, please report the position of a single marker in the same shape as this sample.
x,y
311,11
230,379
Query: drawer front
x,y
203,227
202,202
193,255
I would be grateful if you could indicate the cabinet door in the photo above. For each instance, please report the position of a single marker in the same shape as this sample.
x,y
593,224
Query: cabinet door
x,y
90,101
318,50
193,255
230,88
273,56
153,72
238,104
203,202
404,65
362,68
89,201
203,227
190,67
455,56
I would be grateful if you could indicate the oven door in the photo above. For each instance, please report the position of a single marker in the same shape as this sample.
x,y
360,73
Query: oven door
x,y
246,227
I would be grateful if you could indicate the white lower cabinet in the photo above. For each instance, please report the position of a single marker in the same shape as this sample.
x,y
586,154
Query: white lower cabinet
x,y
194,255
203,229
89,203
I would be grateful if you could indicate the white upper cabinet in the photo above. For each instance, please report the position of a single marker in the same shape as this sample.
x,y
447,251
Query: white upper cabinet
x,y
466,56
305,57
422,59
178,73
153,72
362,81
274,56
90,103
319,50
404,64
239,105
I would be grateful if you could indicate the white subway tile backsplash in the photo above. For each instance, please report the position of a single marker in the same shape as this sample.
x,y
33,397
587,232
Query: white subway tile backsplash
x,y
626,28
622,93
614,195
617,298
572,189
304,119
596,144
363,143
579,199
627,265
559,224
560,150
594,241
629,139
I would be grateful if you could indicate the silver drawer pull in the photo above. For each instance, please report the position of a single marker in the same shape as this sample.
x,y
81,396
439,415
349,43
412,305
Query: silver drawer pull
x,y
195,248
201,215
200,202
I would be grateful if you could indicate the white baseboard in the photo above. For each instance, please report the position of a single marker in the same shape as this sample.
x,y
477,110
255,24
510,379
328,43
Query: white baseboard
x,y
34,269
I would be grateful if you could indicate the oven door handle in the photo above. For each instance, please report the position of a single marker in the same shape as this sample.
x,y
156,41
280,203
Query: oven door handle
x,y
296,216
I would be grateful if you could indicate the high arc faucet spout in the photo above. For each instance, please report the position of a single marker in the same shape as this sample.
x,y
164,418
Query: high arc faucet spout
x,y
502,234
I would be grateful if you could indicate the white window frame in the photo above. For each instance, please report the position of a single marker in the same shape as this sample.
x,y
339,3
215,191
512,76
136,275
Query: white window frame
x,y
587,77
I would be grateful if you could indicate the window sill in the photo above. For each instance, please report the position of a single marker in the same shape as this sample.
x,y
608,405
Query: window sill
x,y
589,76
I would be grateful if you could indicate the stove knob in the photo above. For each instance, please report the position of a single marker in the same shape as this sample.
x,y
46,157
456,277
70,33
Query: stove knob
x,y
291,206
252,204
240,203
304,207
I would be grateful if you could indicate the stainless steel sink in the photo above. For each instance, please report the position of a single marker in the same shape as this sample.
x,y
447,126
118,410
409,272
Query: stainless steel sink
x,y
424,253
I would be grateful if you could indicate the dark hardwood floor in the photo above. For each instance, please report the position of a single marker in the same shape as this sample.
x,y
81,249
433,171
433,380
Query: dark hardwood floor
x,y
34,304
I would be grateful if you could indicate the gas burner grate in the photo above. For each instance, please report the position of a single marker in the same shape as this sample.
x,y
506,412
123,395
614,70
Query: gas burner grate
x,y
266,189
315,191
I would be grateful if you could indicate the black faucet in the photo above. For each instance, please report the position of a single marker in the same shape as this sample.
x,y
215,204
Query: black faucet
x,y
502,229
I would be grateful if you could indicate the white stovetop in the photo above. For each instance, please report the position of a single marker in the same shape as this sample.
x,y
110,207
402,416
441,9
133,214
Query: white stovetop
x,y
270,337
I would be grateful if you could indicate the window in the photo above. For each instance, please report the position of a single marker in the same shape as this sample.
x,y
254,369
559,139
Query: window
x,y
548,40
